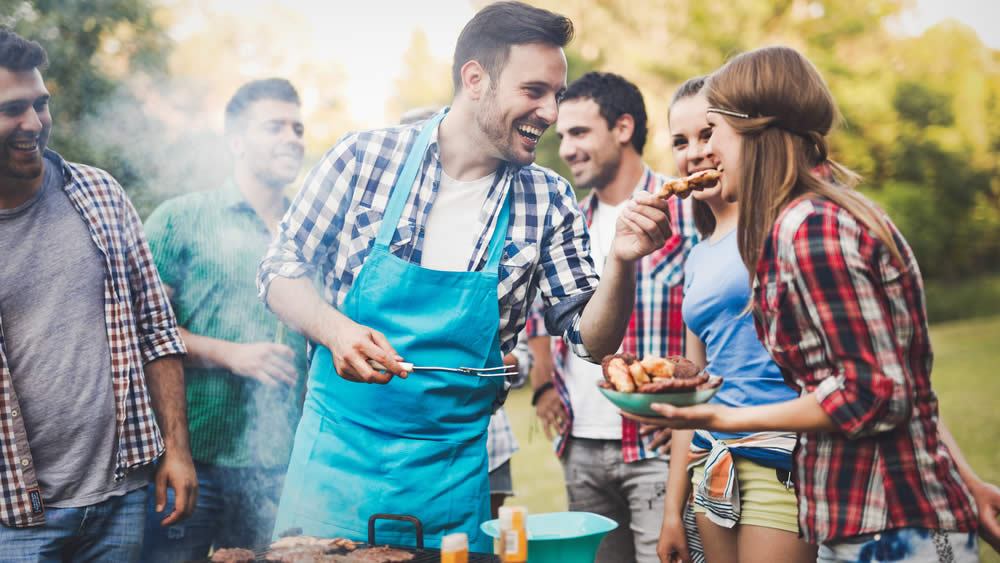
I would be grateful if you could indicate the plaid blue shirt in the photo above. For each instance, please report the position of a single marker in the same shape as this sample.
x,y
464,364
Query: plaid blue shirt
x,y
333,222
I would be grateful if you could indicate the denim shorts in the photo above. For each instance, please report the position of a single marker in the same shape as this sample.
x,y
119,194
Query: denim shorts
x,y
904,544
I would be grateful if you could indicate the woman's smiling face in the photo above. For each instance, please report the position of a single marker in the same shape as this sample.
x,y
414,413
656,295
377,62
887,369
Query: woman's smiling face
x,y
726,146
690,140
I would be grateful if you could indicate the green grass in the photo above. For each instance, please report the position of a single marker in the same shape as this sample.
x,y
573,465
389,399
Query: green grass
x,y
966,377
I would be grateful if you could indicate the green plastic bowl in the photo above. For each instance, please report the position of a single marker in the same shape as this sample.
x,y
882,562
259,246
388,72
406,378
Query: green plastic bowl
x,y
639,403
561,537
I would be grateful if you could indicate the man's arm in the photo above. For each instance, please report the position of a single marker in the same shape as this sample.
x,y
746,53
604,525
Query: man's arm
x,y
310,228
267,362
297,303
165,379
643,228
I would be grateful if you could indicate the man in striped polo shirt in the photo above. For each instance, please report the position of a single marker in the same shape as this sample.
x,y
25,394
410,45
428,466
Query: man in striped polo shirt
x,y
245,372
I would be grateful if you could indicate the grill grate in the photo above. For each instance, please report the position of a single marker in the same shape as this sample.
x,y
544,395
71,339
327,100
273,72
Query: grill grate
x,y
421,554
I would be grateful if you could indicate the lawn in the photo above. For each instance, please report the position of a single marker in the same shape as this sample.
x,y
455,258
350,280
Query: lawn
x,y
966,355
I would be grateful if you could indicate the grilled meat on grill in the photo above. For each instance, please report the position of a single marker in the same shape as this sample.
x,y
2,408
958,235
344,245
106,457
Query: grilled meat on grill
x,y
233,555
384,554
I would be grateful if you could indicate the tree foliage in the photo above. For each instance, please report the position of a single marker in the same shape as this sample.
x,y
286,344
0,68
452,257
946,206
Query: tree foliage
x,y
92,46
921,115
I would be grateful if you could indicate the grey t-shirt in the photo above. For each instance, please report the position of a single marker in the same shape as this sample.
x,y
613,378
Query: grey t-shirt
x,y
52,300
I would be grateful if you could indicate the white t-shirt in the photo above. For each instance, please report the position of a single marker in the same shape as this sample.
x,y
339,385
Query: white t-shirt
x,y
453,225
593,415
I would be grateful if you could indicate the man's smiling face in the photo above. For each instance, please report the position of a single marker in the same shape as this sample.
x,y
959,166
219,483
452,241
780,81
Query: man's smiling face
x,y
25,124
523,101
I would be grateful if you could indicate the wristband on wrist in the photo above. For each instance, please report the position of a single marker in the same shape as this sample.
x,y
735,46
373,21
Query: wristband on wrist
x,y
540,391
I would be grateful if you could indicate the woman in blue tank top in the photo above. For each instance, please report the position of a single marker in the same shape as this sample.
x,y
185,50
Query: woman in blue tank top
x,y
746,508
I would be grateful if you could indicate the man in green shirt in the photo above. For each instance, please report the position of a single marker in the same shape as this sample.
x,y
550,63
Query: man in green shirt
x,y
245,372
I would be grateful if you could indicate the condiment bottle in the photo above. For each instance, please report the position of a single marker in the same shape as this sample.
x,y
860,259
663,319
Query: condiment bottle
x,y
513,534
455,548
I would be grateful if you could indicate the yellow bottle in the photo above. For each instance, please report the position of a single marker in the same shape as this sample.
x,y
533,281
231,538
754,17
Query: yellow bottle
x,y
455,548
513,534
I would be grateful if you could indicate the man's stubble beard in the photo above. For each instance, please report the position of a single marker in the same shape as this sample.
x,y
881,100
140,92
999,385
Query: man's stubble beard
x,y
604,176
491,123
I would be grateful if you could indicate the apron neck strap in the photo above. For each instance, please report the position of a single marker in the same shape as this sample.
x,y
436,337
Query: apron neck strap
x,y
404,183
499,233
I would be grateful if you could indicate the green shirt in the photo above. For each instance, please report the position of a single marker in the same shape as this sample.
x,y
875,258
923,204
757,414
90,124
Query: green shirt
x,y
207,247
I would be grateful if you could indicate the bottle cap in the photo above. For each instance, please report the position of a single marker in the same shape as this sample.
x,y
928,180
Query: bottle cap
x,y
455,542
506,517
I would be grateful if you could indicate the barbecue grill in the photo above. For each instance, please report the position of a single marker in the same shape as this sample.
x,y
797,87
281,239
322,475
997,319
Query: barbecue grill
x,y
420,553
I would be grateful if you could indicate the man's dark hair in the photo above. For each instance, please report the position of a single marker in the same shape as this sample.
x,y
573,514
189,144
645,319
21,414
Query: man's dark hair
x,y
18,54
615,97
488,36
254,91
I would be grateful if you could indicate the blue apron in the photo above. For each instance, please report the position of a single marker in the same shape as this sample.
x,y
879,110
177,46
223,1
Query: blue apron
x,y
413,446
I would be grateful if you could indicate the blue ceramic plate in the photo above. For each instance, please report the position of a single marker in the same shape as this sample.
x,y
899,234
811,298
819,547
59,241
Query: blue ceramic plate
x,y
639,403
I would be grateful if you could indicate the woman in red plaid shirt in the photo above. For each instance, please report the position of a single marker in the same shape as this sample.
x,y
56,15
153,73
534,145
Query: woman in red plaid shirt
x,y
838,301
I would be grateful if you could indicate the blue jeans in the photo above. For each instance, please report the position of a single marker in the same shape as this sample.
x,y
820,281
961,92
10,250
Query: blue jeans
x,y
236,508
107,531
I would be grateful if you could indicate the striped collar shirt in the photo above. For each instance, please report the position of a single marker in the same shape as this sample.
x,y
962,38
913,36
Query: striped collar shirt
x,y
656,326
333,221
844,321
140,327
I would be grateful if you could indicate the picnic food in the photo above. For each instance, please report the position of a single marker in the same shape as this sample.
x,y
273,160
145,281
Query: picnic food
x,y
682,187
233,555
653,374
308,549
384,554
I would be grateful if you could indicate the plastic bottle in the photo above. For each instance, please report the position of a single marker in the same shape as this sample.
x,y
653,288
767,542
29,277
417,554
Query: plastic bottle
x,y
513,534
455,548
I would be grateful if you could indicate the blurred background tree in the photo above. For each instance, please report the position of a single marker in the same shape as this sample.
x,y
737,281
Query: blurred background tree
x,y
921,114
92,47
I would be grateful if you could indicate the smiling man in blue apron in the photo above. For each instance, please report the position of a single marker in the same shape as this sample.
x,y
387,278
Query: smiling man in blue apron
x,y
431,241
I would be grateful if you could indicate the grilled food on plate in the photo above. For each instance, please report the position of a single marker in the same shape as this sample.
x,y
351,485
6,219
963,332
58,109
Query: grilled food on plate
x,y
682,187
653,374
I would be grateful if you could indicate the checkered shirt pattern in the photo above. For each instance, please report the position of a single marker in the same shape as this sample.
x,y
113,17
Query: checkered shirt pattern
x,y
656,326
843,321
140,326
333,222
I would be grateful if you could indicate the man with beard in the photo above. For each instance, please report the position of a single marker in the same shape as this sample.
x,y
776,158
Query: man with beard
x,y
431,241
610,468
245,373
91,383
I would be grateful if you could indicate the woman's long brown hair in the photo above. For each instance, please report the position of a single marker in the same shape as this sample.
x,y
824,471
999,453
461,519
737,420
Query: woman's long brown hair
x,y
791,112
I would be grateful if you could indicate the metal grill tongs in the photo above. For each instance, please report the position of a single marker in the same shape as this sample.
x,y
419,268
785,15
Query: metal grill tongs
x,y
502,371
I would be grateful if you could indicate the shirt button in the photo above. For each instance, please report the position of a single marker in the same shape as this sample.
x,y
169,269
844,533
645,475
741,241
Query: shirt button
x,y
25,462
14,413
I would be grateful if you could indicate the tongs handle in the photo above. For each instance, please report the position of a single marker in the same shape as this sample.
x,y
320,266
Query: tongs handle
x,y
407,366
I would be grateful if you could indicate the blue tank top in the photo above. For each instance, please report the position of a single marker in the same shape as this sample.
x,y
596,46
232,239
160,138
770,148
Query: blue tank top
x,y
716,292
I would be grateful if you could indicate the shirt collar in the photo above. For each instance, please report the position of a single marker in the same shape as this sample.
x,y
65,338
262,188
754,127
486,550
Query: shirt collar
x,y
232,197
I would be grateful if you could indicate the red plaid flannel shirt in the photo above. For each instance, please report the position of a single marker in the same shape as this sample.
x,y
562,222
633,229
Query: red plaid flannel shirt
x,y
843,321
141,328
655,327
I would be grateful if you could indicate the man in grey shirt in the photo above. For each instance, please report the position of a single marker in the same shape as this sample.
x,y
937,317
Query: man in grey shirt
x,y
91,385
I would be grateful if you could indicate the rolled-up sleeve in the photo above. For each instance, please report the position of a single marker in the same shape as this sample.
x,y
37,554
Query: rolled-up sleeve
x,y
833,302
567,275
155,322
313,221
